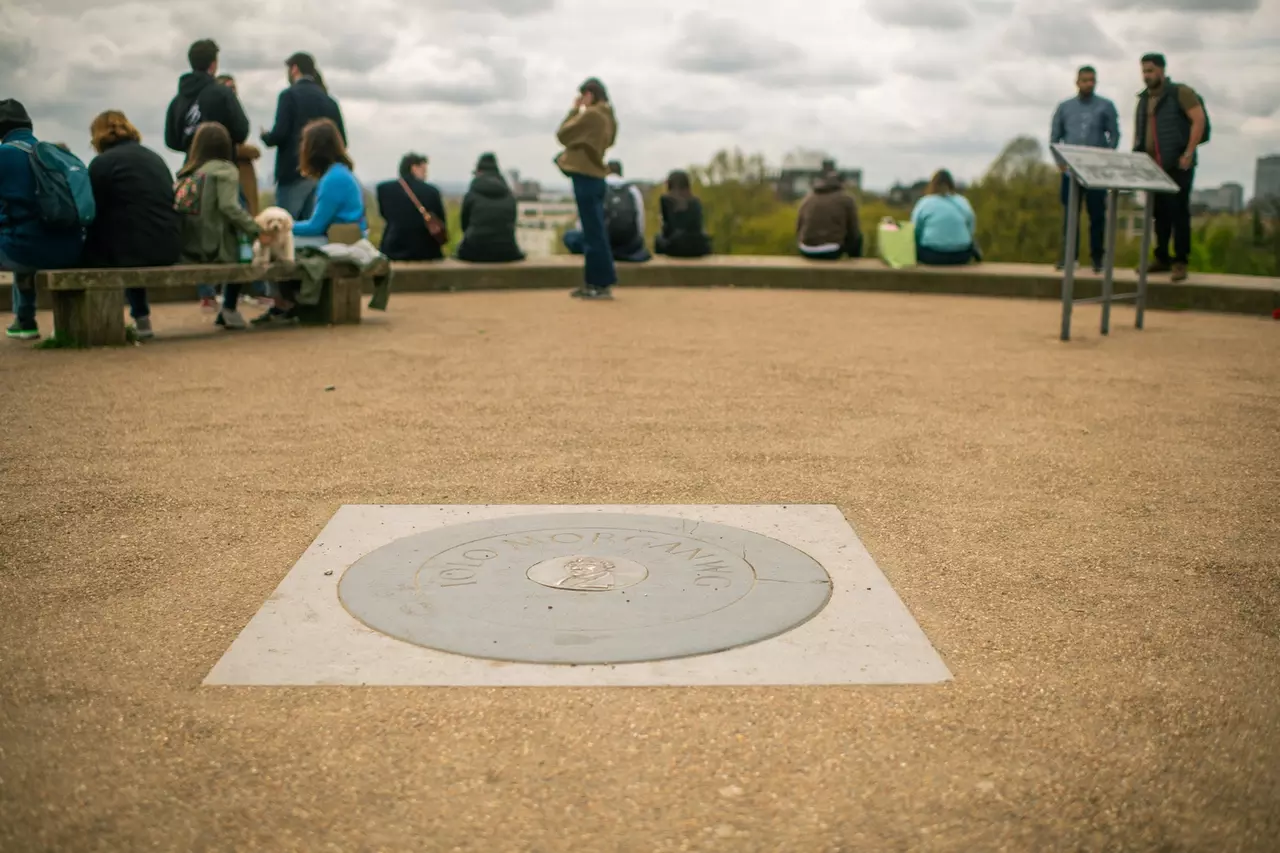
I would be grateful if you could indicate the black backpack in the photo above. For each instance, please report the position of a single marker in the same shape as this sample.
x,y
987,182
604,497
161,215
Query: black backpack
x,y
620,214
1208,127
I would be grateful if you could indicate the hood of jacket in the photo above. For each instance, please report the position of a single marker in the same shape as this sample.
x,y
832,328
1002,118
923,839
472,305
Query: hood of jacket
x,y
222,169
828,184
193,83
490,185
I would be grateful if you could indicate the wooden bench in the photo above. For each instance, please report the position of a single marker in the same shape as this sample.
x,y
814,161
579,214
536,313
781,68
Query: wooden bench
x,y
88,304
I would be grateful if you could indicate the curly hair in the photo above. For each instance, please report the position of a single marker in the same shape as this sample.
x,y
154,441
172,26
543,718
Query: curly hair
x,y
321,147
111,128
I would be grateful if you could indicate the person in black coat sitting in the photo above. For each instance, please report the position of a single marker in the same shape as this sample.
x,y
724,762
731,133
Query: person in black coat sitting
x,y
681,235
135,224
489,218
407,205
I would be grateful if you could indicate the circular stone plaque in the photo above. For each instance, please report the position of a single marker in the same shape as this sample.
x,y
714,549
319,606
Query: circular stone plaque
x,y
584,588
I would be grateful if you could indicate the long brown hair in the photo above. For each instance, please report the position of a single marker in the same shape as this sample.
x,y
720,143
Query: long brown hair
x,y
211,142
941,183
111,128
679,188
321,147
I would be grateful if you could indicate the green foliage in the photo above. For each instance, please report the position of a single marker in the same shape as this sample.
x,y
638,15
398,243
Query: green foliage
x,y
1018,207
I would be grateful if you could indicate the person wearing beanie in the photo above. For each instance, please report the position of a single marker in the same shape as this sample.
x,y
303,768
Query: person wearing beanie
x,y
26,243
306,100
586,133
489,217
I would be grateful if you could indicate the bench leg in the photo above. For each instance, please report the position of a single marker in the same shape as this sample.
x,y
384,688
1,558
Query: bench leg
x,y
339,304
89,318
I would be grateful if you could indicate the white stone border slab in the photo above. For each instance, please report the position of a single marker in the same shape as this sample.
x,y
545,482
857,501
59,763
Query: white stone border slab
x,y
303,636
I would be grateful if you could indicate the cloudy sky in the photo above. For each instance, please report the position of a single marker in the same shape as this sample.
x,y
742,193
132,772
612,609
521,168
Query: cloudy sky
x,y
897,87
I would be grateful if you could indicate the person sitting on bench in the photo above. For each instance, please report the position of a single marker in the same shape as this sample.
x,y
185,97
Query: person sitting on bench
x,y
827,226
682,235
338,213
213,222
489,212
945,224
26,243
135,224
623,220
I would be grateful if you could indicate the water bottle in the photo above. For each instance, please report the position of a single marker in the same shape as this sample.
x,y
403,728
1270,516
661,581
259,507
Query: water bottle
x,y
246,249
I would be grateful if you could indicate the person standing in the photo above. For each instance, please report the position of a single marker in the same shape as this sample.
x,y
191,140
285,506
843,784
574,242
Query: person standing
x,y
586,133
1171,123
303,102
200,99
1091,120
136,224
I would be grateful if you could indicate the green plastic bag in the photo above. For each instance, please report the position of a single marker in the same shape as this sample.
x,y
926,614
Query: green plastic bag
x,y
897,246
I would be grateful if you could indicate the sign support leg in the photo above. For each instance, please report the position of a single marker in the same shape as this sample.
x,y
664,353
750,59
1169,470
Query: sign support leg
x,y
1109,264
1147,220
1069,255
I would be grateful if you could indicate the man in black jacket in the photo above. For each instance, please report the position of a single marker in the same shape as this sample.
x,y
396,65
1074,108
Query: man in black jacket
x,y
305,100
201,99
406,236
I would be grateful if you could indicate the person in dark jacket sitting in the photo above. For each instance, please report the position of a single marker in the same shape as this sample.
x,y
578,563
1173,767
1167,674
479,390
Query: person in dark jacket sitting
x,y
303,102
201,99
682,235
405,205
489,218
27,244
135,224
827,227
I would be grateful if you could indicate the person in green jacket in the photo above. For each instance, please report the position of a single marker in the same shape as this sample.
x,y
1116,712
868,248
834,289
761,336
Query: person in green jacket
x,y
213,222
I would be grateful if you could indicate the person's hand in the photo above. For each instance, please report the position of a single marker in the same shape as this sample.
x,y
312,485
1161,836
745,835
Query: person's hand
x,y
1185,161
266,238
577,102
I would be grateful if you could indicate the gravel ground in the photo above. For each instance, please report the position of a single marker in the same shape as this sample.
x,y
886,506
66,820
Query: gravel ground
x,y
1087,532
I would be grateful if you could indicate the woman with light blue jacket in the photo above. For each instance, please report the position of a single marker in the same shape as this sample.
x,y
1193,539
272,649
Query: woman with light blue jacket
x,y
945,225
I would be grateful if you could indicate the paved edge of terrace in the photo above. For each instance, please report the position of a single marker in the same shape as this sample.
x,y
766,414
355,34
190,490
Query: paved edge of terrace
x,y
1230,294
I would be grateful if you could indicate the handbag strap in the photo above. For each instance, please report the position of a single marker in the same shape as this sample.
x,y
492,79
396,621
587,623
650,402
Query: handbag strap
x,y
414,198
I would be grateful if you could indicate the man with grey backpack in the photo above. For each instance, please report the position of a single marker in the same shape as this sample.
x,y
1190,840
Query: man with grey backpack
x,y
46,201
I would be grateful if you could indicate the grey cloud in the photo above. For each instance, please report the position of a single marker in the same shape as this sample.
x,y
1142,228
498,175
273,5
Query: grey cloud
x,y
922,14
722,46
506,8
482,76
1183,5
681,119
1060,35
920,67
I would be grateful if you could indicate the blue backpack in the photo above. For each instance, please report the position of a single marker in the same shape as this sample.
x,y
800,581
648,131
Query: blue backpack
x,y
64,196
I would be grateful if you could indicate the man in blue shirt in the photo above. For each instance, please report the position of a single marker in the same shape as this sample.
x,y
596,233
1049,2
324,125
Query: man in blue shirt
x,y
1087,119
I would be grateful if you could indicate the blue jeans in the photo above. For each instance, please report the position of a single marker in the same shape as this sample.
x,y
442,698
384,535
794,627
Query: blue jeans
x,y
598,269
24,297
298,197
1095,201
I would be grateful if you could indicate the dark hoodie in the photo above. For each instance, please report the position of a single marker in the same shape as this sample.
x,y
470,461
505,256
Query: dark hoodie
x,y
489,221
828,215
200,98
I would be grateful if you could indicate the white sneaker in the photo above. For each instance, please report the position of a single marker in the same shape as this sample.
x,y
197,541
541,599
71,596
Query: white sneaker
x,y
231,320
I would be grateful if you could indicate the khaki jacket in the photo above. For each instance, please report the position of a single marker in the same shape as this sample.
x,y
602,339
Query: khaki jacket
x,y
586,135
245,155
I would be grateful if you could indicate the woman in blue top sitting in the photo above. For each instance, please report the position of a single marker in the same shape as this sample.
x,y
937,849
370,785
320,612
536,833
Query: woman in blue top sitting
x,y
945,224
338,213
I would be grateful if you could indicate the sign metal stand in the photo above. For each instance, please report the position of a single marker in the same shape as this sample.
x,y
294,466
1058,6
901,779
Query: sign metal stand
x,y
1103,169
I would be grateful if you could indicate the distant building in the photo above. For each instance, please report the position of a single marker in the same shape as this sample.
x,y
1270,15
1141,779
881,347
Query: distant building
x,y
901,195
1266,183
797,175
1228,198
524,190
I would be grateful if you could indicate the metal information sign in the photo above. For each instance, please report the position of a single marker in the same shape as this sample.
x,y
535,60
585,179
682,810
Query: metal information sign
x,y
1113,171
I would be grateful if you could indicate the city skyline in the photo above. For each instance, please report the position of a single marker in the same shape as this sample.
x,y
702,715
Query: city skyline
x,y
894,89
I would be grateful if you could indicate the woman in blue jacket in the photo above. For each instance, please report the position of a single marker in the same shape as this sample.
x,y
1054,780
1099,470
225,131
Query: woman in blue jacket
x,y
945,224
338,214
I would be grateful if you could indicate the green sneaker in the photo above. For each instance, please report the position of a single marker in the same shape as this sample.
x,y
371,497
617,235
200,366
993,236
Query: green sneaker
x,y
23,331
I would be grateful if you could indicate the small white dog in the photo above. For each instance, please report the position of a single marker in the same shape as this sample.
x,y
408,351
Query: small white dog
x,y
277,227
